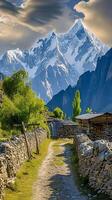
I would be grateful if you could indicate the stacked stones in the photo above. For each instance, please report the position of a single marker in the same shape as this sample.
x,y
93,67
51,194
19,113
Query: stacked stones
x,y
13,154
95,162
66,131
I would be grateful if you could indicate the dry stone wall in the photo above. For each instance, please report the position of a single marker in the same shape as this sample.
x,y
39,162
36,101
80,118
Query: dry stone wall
x,y
62,128
95,162
13,154
106,133
66,131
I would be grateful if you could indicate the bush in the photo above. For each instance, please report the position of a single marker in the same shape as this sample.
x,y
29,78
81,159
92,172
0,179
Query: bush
x,y
88,110
58,113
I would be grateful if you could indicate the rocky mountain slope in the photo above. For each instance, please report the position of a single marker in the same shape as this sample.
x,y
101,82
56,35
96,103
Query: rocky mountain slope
x,y
95,88
56,61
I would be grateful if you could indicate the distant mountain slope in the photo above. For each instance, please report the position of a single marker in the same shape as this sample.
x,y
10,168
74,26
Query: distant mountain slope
x,y
56,61
95,88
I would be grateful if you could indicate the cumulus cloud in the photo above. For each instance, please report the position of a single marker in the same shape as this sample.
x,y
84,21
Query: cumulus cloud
x,y
98,17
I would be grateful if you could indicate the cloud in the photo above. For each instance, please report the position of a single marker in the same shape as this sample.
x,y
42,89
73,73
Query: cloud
x,y
8,7
35,12
35,18
41,12
22,25
98,17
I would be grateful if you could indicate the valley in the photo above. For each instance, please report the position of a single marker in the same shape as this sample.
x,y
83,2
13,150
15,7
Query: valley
x,y
55,100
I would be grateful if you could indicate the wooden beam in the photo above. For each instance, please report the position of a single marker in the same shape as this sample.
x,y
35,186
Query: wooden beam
x,y
26,141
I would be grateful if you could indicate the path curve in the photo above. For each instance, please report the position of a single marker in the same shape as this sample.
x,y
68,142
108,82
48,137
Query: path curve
x,y
55,178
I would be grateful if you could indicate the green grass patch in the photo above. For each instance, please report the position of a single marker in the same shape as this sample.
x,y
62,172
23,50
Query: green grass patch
x,y
27,175
58,161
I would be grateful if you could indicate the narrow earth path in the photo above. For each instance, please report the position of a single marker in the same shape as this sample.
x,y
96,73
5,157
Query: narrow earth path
x,y
55,179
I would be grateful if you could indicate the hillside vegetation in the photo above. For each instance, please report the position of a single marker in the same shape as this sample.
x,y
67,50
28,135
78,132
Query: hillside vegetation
x,y
20,104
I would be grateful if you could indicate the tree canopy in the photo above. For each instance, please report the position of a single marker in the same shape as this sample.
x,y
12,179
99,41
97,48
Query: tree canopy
x,y
88,110
58,113
20,103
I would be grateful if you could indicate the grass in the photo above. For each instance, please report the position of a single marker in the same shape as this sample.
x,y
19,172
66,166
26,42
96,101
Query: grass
x,y
27,175
59,160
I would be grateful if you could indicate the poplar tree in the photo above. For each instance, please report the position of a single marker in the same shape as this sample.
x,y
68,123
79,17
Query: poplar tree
x,y
76,104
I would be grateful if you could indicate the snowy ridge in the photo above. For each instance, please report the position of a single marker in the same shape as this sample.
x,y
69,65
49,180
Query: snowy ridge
x,y
57,60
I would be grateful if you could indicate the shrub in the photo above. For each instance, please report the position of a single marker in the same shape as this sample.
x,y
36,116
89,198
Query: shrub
x,y
58,113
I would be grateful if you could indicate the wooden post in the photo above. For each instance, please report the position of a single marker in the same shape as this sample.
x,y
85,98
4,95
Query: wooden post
x,y
26,140
37,143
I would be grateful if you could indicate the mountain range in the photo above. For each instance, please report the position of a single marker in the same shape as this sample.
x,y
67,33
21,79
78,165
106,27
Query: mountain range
x,y
95,89
56,61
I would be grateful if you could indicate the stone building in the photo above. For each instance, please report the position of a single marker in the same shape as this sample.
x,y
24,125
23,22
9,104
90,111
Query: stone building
x,y
62,128
96,126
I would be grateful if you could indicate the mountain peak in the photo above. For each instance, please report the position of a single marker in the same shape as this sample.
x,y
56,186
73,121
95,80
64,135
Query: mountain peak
x,y
56,60
51,35
77,26
12,54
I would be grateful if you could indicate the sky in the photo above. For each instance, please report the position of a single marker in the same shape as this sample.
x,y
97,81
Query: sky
x,y
22,22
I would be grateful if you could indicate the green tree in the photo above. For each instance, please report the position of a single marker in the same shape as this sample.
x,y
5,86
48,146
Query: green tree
x,y
58,113
20,103
76,104
8,113
15,84
88,110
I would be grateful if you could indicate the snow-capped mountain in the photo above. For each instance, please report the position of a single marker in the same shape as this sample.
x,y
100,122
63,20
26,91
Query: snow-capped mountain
x,y
95,89
56,61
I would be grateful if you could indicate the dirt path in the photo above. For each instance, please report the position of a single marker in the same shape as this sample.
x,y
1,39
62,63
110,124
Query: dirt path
x,y
55,178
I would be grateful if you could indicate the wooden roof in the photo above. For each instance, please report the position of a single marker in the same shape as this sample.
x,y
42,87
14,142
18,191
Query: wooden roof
x,y
95,117
88,116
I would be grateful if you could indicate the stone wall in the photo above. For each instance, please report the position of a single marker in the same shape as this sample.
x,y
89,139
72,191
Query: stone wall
x,y
13,154
106,133
96,131
66,131
95,162
54,126
62,128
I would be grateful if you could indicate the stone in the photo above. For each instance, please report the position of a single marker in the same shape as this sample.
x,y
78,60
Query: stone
x,y
13,154
95,162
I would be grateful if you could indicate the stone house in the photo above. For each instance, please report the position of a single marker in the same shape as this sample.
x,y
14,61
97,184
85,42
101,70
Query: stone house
x,y
96,126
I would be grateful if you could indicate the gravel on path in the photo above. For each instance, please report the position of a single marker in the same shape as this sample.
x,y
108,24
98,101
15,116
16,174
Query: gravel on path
x,y
55,178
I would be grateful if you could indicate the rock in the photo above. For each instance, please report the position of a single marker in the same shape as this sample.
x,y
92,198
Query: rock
x,y
95,162
12,156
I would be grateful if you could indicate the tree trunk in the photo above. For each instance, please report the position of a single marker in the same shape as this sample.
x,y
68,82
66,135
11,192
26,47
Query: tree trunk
x,y
37,143
26,141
